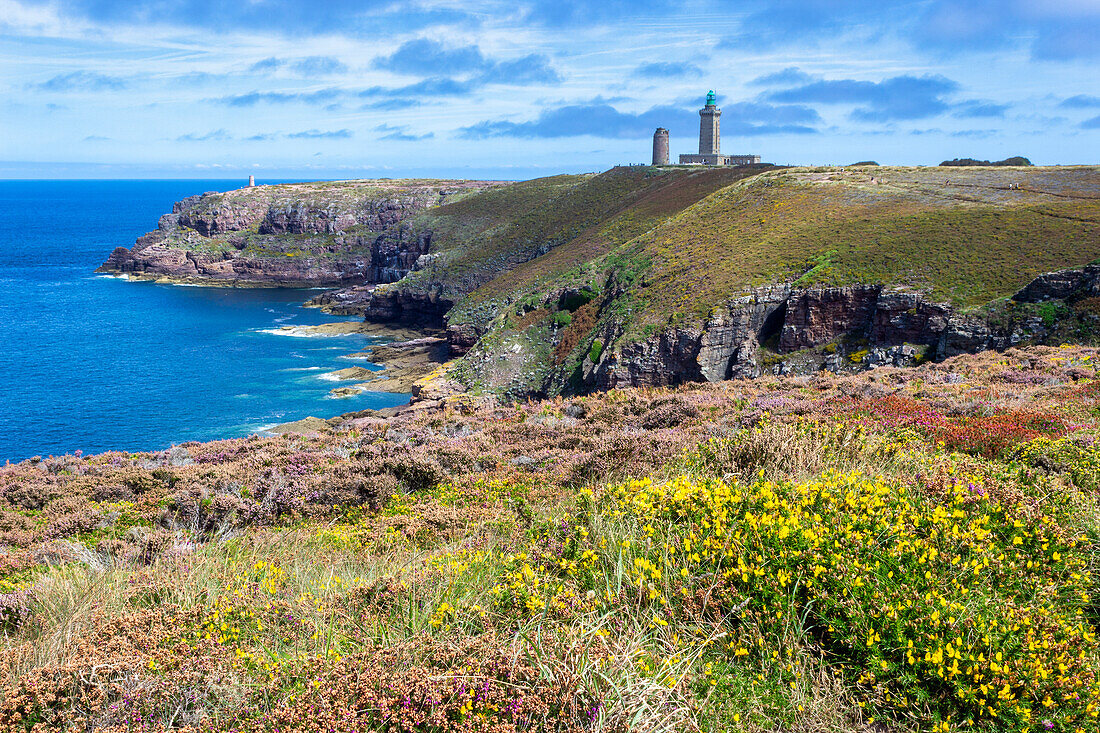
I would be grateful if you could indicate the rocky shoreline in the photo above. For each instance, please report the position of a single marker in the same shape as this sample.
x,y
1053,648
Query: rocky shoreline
x,y
291,235
409,357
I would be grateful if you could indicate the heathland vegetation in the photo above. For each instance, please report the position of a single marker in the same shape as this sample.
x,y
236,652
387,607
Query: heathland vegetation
x,y
962,235
669,266
896,550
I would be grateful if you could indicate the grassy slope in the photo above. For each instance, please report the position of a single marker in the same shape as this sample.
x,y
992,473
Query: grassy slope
x,y
961,234
689,239
692,239
970,241
569,220
912,547
653,197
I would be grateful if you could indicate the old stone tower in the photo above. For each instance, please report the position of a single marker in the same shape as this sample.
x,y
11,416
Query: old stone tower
x,y
660,147
709,118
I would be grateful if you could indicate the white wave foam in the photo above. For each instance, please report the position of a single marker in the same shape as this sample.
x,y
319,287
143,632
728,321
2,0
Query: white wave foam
x,y
302,332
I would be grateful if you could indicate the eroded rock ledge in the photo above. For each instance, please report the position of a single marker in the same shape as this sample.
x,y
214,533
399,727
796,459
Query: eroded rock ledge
x,y
782,330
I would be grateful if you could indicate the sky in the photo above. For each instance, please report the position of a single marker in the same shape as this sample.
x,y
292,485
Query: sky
x,y
515,89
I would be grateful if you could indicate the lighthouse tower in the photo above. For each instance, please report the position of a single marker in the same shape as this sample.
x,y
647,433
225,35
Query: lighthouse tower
x,y
710,141
709,120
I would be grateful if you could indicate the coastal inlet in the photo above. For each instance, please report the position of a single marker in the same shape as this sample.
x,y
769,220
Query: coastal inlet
x,y
96,363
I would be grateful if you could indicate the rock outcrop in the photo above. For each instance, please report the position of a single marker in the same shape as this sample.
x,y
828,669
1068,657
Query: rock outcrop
x,y
819,316
290,269
1062,285
388,304
461,337
725,347
303,235
779,330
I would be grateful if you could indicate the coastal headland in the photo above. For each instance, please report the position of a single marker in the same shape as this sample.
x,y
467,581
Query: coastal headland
x,y
660,275
723,442
729,449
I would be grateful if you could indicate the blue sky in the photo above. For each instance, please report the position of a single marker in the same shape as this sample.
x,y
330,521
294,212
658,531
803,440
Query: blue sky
x,y
521,88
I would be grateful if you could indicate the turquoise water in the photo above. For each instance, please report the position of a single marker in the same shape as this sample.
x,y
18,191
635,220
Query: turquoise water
x,y
95,363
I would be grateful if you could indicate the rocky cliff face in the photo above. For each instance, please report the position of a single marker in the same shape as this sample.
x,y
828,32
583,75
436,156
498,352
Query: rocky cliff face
x,y
724,348
408,306
292,235
780,330
310,268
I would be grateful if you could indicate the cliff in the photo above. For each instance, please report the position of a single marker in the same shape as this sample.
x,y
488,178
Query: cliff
x,y
307,234
793,271
662,275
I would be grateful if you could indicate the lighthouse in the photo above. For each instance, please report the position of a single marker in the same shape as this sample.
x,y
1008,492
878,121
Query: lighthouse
x,y
709,120
710,139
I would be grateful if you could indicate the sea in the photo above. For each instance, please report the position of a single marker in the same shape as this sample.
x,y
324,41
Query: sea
x,y
93,363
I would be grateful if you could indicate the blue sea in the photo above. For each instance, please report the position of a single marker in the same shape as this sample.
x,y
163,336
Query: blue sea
x,y
93,363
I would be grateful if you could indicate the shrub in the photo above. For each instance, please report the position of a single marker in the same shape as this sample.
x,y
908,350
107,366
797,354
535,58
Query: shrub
x,y
596,351
15,609
1062,455
670,412
573,299
418,472
1016,160
957,612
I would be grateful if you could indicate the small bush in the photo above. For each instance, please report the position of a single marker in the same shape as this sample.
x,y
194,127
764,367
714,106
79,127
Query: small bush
x,y
419,473
596,351
669,413
573,299
1016,160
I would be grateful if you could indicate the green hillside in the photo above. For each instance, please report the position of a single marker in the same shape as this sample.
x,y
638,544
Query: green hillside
x,y
964,237
665,246
547,226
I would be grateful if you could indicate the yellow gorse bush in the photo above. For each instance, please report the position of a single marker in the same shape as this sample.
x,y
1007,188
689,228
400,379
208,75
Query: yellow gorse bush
x,y
1081,463
970,612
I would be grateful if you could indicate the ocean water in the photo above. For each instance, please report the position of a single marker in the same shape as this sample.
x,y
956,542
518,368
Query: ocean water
x,y
94,363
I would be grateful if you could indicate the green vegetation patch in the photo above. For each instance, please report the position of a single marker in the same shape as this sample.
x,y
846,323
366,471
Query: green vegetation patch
x,y
836,227
560,236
